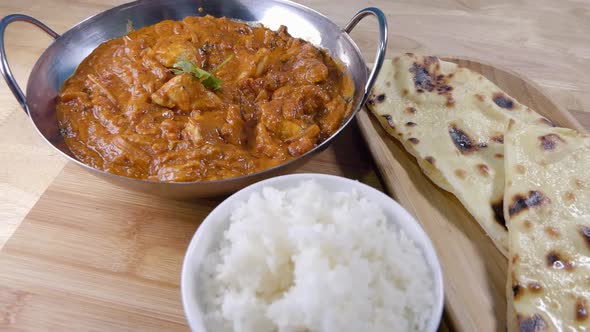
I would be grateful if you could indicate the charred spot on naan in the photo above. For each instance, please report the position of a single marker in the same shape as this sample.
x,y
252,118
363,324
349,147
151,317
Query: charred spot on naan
x,y
503,101
569,196
533,199
462,140
479,97
425,78
515,259
389,120
374,99
443,88
535,287
450,102
511,124
483,169
581,309
517,291
499,155
552,232
413,140
430,159
528,225
499,138
585,232
558,261
410,110
550,141
534,323
411,124
498,208
460,173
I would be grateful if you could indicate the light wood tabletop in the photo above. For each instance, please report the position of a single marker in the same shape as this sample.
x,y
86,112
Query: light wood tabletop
x,y
542,41
546,42
549,44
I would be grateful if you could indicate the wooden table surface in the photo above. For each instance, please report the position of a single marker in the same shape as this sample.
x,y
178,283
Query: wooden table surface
x,y
546,42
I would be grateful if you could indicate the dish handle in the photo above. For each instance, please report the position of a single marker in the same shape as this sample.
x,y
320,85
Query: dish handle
x,y
4,67
381,48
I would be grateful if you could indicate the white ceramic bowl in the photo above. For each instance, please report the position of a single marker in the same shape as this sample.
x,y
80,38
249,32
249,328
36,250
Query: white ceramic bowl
x,y
211,231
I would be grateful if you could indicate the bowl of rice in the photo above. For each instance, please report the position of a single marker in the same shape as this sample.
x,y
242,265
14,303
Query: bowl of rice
x,y
313,253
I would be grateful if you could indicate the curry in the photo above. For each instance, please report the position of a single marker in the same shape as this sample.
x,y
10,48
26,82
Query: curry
x,y
201,99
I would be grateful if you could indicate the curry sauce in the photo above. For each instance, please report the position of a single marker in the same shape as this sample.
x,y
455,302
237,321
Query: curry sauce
x,y
126,111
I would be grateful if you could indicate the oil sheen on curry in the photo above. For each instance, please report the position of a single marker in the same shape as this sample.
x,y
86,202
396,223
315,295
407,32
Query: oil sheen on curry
x,y
201,99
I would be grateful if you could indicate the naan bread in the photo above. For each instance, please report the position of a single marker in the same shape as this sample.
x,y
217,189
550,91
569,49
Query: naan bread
x,y
547,206
453,121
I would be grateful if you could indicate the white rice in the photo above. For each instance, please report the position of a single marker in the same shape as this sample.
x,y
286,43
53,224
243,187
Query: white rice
x,y
307,259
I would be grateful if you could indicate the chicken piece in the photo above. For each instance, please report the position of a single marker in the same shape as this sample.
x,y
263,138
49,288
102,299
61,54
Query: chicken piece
x,y
234,131
262,62
204,129
170,50
159,73
331,120
248,92
128,152
304,141
186,93
308,67
273,119
136,107
266,144
255,65
177,173
70,94
176,166
301,100
107,115
171,129
310,71
147,126
312,131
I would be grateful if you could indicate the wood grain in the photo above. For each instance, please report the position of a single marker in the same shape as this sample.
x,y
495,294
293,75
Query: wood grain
x,y
544,40
474,270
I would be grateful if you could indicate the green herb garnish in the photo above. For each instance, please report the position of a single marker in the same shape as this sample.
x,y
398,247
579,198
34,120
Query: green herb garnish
x,y
208,79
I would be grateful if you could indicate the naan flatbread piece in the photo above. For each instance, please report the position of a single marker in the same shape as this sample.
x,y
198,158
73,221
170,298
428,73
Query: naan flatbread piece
x,y
547,207
453,121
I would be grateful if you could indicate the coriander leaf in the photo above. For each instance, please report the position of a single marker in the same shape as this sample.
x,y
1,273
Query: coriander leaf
x,y
209,81
184,65
222,64
212,82
200,73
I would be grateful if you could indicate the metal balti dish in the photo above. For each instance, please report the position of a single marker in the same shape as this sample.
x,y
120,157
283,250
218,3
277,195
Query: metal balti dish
x,y
62,57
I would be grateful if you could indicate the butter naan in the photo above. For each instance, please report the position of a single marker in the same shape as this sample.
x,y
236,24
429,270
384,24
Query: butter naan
x,y
547,206
453,121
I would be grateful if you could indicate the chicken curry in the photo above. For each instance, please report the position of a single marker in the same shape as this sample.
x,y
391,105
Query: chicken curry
x,y
201,99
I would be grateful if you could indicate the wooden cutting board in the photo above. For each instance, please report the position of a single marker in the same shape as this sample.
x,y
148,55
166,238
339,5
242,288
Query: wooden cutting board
x,y
474,270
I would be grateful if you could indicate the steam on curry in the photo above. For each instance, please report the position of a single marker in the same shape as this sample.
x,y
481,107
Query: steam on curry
x,y
201,99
